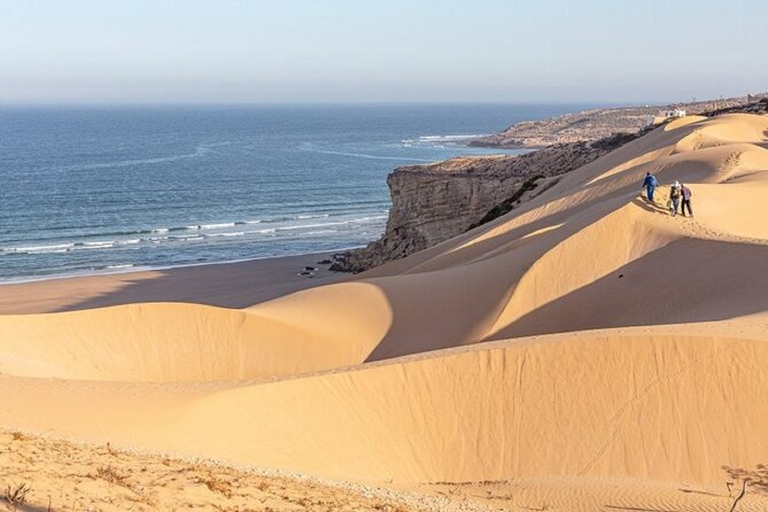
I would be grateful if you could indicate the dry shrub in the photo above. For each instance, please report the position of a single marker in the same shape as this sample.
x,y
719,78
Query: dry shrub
x,y
216,485
16,495
112,475
386,507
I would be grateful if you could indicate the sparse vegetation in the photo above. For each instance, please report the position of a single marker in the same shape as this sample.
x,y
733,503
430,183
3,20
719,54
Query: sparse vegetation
x,y
508,205
740,496
757,478
386,507
16,495
18,436
112,475
217,485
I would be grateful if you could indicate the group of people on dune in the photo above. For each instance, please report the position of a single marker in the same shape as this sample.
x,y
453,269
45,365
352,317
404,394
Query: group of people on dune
x,y
679,195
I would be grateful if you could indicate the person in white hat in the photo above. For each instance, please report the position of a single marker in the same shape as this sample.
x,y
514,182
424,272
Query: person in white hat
x,y
674,196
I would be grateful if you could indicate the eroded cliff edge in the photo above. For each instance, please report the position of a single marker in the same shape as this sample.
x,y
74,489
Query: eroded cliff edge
x,y
434,202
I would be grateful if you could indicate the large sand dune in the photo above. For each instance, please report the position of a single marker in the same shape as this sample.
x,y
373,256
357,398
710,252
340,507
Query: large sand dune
x,y
587,335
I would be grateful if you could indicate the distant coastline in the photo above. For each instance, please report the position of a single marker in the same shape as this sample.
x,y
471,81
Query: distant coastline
x,y
595,124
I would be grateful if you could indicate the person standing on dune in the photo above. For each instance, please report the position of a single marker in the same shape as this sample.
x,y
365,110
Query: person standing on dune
x,y
650,183
686,192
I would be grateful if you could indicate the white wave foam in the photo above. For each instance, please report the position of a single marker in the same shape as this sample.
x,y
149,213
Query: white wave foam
x,y
239,233
40,248
200,150
365,155
96,245
368,219
322,232
310,226
183,237
160,230
116,267
212,226
447,138
347,222
218,226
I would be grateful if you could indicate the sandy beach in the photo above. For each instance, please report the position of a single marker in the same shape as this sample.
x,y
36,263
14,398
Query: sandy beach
x,y
587,351
229,285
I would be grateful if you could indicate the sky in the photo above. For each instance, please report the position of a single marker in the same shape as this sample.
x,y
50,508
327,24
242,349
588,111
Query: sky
x,y
317,51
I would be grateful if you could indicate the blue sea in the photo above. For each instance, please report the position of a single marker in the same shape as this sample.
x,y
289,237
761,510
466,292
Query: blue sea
x,y
86,190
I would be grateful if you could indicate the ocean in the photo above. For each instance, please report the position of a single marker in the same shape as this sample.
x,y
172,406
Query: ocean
x,y
87,190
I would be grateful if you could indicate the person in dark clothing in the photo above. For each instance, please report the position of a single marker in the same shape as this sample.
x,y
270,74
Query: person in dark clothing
x,y
650,183
686,192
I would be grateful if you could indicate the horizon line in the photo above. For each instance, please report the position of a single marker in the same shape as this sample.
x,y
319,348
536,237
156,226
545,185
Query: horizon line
x,y
627,103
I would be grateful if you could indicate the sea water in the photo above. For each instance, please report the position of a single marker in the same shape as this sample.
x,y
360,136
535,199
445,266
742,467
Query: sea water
x,y
87,190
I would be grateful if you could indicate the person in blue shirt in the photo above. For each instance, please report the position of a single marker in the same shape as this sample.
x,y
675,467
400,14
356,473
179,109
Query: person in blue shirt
x,y
650,183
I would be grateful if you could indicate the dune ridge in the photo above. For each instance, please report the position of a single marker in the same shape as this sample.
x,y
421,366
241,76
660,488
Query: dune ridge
x,y
587,335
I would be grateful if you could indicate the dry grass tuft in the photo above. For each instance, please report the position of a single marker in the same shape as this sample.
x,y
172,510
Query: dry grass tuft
x,y
385,507
112,475
16,495
19,436
216,485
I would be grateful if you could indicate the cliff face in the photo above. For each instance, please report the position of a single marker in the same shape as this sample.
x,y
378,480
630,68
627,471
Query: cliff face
x,y
434,202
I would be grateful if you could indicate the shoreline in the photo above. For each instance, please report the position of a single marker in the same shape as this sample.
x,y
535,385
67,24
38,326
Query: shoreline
x,y
128,269
236,284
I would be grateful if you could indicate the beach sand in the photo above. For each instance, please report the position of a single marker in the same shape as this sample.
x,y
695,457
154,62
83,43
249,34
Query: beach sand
x,y
230,285
587,351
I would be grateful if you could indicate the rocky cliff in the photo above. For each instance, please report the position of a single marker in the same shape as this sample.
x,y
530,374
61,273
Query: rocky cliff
x,y
434,202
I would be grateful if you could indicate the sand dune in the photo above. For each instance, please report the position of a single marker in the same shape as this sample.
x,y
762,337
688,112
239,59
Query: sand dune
x,y
163,343
588,336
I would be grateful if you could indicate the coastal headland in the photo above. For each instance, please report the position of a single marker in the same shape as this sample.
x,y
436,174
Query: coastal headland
x,y
434,202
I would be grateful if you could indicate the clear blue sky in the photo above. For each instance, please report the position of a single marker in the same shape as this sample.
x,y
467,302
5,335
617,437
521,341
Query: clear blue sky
x,y
227,51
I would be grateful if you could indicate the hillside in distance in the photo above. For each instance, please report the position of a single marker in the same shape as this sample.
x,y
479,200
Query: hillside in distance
x,y
599,123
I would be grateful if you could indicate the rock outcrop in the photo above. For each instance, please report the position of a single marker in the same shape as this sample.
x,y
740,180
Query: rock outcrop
x,y
434,202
